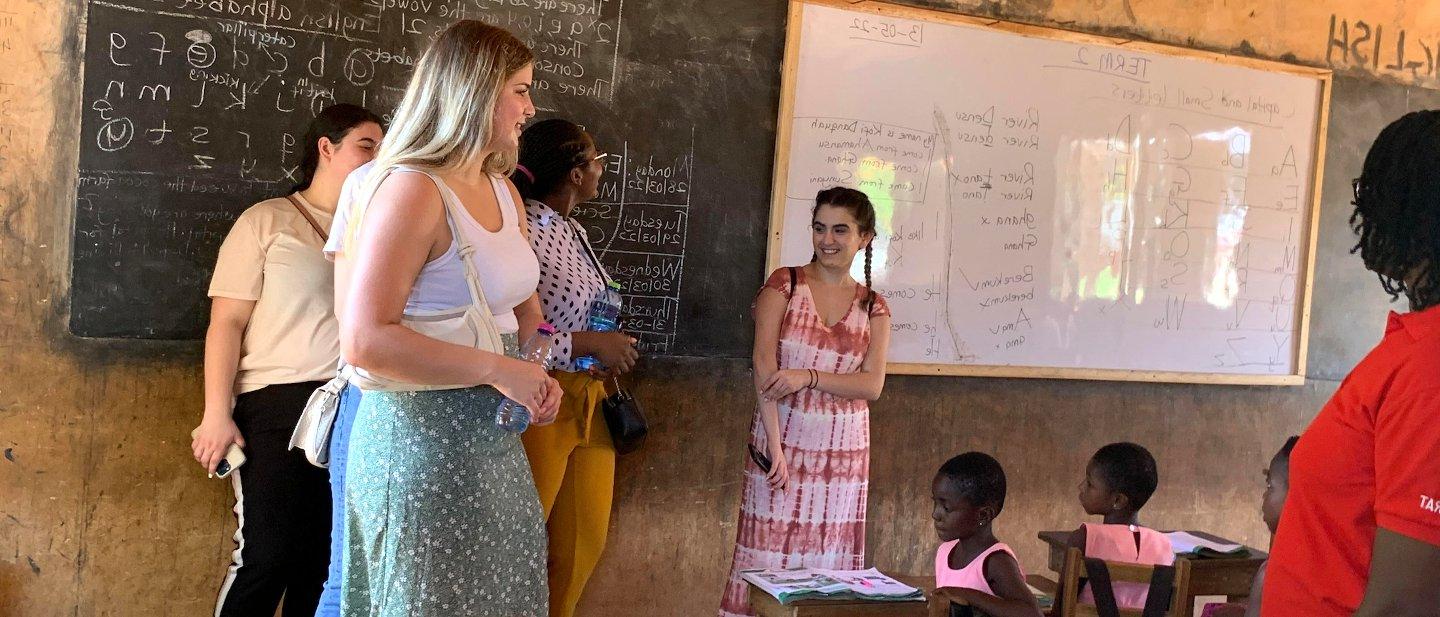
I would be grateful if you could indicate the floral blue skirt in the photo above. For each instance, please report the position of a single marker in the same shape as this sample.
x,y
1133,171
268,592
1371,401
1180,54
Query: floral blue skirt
x,y
441,514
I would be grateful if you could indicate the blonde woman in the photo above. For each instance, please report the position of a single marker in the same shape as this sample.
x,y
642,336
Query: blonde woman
x,y
442,516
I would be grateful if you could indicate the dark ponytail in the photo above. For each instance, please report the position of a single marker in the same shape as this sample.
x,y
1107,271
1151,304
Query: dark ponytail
x,y
549,149
859,206
334,123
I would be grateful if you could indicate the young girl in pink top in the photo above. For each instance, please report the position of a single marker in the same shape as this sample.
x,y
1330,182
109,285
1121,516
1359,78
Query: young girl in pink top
x,y
1120,478
972,567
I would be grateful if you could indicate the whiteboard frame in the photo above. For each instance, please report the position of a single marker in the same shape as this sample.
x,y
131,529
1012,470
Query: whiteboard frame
x,y
1317,164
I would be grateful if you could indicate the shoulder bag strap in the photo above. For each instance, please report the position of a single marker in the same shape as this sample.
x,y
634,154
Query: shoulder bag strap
x,y
589,251
793,284
1101,587
1162,586
479,307
324,237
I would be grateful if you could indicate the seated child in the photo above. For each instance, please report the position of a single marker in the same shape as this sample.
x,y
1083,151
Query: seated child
x,y
1277,485
971,566
1119,479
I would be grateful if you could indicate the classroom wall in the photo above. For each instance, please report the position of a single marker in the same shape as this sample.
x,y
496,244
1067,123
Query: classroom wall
x,y
102,511
1392,39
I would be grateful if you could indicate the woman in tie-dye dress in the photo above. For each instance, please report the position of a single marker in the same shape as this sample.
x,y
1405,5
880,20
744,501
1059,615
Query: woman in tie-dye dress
x,y
820,340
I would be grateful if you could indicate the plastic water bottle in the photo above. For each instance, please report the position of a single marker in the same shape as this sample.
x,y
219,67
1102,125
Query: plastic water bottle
x,y
604,317
513,416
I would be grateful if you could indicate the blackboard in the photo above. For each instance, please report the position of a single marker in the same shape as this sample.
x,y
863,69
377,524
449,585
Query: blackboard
x,y
192,109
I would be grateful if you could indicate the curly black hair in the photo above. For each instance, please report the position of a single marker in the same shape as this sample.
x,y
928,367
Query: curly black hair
x,y
1397,209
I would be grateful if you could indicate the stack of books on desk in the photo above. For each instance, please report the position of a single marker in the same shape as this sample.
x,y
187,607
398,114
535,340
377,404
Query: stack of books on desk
x,y
815,584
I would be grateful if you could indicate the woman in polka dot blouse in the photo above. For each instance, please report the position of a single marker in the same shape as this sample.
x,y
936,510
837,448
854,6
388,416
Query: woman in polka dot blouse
x,y
573,459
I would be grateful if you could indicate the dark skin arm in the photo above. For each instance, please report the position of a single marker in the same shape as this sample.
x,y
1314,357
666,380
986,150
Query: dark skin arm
x,y
1013,597
1403,578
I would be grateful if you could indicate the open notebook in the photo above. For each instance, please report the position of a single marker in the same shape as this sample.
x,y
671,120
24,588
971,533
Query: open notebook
x,y
817,584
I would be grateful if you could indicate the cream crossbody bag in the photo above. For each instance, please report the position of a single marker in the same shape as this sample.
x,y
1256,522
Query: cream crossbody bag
x,y
470,326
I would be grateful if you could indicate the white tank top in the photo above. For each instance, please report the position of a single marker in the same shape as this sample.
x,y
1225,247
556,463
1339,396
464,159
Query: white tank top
x,y
508,269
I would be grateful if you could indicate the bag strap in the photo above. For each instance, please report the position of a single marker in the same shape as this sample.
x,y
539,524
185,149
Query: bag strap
x,y
589,250
1101,587
1162,586
324,237
479,307
793,284
466,251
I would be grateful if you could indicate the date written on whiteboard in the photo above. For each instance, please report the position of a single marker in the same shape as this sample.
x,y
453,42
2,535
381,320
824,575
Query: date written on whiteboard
x,y
881,30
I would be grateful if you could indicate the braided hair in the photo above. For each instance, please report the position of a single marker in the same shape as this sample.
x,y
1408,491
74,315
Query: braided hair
x,y
859,206
549,149
1397,209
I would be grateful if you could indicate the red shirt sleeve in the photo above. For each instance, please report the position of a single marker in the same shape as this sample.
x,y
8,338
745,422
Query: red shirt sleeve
x,y
1407,465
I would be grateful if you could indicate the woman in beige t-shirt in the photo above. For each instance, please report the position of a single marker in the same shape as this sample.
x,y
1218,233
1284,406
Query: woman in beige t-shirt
x,y
273,339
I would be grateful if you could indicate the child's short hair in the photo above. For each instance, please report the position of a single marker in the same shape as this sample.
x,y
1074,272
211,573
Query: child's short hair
x,y
978,477
1129,470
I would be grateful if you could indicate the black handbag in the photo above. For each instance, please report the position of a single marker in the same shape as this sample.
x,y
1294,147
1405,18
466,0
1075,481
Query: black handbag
x,y
624,419
622,412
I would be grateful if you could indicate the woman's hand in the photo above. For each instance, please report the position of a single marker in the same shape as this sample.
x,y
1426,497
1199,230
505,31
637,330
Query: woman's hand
x,y
779,476
527,383
615,350
212,440
785,382
551,407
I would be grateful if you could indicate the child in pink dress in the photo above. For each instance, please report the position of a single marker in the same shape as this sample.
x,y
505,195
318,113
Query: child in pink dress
x,y
1120,478
971,566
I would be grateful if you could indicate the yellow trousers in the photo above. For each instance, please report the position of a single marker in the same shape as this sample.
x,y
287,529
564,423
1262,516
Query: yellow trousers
x,y
573,460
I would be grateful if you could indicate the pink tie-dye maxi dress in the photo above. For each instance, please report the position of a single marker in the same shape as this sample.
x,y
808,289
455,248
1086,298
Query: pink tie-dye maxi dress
x,y
818,521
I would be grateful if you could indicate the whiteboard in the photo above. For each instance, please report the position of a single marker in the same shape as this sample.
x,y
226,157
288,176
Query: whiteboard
x,y
1052,204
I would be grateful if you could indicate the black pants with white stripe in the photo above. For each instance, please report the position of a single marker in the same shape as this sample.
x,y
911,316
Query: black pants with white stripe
x,y
282,503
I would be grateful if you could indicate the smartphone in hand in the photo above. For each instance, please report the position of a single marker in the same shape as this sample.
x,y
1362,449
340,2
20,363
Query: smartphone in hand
x,y
234,458
760,459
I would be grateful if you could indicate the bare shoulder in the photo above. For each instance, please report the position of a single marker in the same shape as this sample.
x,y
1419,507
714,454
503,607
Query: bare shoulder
x,y
409,188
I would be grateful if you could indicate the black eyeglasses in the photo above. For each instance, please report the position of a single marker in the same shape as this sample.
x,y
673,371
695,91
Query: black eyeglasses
x,y
1355,187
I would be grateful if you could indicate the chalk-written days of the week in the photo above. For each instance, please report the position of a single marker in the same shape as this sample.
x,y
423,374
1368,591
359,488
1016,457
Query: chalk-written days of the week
x,y
638,225
871,156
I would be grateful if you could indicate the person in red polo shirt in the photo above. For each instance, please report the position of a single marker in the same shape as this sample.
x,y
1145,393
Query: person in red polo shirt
x,y
1360,532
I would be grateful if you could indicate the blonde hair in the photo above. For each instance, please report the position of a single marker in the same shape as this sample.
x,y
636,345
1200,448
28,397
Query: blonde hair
x,y
444,121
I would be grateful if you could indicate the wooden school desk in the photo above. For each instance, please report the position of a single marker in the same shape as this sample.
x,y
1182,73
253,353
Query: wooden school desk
x,y
1219,576
765,605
